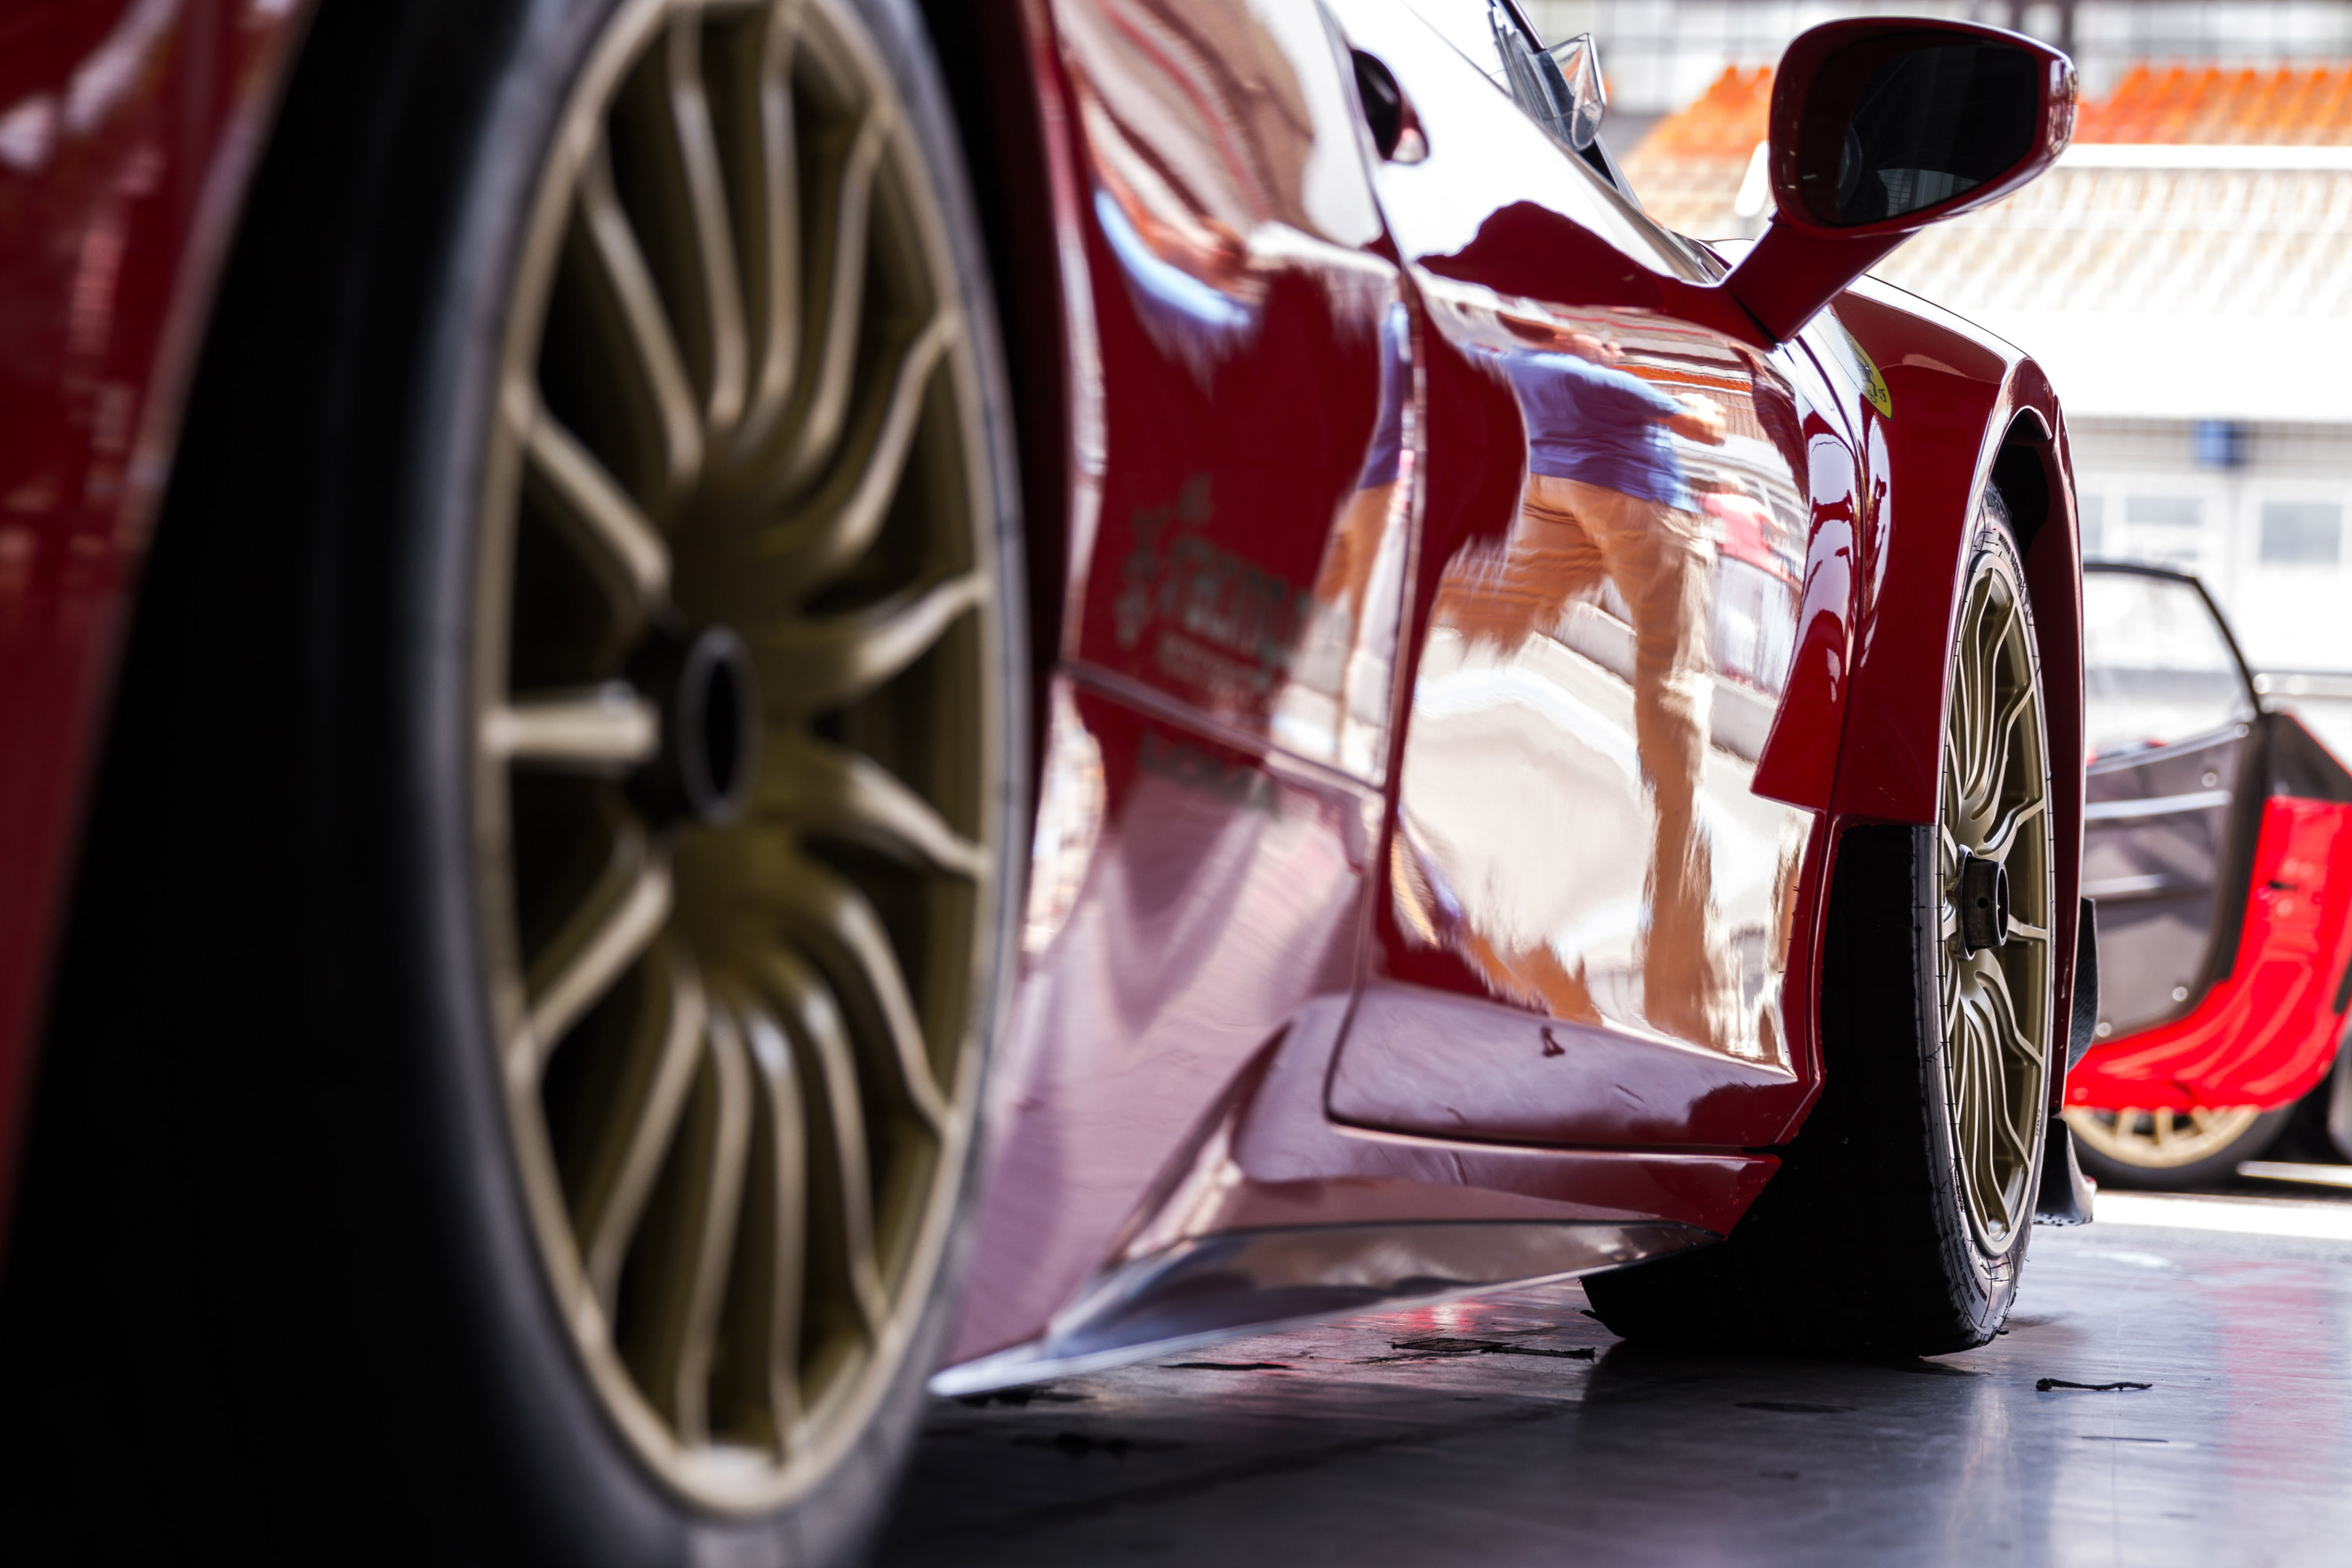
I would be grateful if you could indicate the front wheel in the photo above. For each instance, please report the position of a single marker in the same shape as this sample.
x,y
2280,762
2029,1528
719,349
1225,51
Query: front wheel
x,y
1898,1220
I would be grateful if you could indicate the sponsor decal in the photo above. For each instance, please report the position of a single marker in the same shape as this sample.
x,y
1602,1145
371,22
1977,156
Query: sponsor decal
x,y
1216,621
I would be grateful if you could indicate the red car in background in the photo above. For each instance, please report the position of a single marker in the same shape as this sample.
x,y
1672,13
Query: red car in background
x,y
2216,843
714,710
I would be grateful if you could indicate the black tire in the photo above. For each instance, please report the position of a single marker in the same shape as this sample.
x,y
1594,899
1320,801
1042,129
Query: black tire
x,y
2221,1165
272,1292
1861,1242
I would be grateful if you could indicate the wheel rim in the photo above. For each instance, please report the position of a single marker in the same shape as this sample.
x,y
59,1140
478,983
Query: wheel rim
x,y
736,762
1995,848
2162,1140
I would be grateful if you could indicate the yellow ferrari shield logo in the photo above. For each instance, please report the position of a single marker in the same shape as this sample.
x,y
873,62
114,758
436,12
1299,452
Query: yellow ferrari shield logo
x,y
1873,387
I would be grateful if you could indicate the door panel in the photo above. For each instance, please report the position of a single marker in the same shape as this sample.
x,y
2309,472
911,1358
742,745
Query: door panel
x,y
1244,410
2156,831
1590,909
2174,789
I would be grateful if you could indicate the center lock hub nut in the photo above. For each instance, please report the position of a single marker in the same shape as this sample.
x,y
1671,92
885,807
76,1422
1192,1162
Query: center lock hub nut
x,y
1984,903
709,703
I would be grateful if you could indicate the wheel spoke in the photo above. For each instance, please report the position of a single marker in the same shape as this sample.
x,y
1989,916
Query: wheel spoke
x,y
2004,835
602,729
691,241
652,1090
638,339
1965,702
819,786
809,667
842,1202
759,147
683,1279
844,515
2002,726
599,520
2002,1009
768,1272
847,937
835,301
615,924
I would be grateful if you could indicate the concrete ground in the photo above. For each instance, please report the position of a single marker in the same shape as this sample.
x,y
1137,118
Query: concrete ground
x,y
1514,1429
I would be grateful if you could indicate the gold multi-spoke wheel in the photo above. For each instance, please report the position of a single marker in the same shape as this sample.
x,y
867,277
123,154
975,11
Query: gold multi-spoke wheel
x,y
739,678
2162,1140
1993,880
2173,1150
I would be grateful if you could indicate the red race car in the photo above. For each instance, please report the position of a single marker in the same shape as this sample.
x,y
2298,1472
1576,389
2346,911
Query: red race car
x,y
826,697
2217,842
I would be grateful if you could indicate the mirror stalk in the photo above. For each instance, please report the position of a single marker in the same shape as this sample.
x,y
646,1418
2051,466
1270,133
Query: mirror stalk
x,y
1788,275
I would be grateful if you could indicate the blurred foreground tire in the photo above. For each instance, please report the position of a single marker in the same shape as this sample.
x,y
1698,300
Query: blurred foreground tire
x,y
512,1092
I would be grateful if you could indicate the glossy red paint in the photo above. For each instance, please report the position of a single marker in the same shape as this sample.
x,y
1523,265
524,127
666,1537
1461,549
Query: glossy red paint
x,y
1238,316
1506,945
127,128
1189,898
1263,417
2268,1032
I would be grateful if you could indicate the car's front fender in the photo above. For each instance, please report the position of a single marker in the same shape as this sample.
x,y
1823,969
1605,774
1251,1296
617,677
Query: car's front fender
x,y
1967,410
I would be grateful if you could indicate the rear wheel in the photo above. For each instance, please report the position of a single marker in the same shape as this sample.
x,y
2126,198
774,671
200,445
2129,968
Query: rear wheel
x,y
2172,1151
590,566
1898,1220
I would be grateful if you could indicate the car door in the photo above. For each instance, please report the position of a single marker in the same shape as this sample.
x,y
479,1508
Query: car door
x,y
2174,794
1216,730
1590,907
2217,847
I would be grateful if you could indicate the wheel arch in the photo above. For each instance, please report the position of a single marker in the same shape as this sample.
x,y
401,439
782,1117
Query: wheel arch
x,y
1002,71
1971,413
216,73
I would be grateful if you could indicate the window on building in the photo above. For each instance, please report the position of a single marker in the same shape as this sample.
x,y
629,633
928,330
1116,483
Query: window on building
x,y
2165,528
2164,512
2301,533
2091,513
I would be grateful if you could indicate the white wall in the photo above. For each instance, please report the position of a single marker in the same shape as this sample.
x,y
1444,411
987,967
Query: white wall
x,y
2272,538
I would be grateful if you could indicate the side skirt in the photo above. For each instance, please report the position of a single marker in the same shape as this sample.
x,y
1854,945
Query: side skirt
x,y
1212,1288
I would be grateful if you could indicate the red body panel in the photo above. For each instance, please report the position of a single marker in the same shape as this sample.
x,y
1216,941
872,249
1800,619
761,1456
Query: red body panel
x,y
127,128
2266,1033
1277,423
1958,396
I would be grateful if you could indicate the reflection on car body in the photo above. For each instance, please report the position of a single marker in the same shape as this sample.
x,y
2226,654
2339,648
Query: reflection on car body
x,y
1625,536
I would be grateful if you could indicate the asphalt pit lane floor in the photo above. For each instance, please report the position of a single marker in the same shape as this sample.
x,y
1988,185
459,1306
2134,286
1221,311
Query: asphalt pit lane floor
x,y
1480,1432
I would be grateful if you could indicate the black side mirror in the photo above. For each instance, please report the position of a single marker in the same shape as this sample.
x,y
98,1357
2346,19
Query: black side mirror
x,y
1880,126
